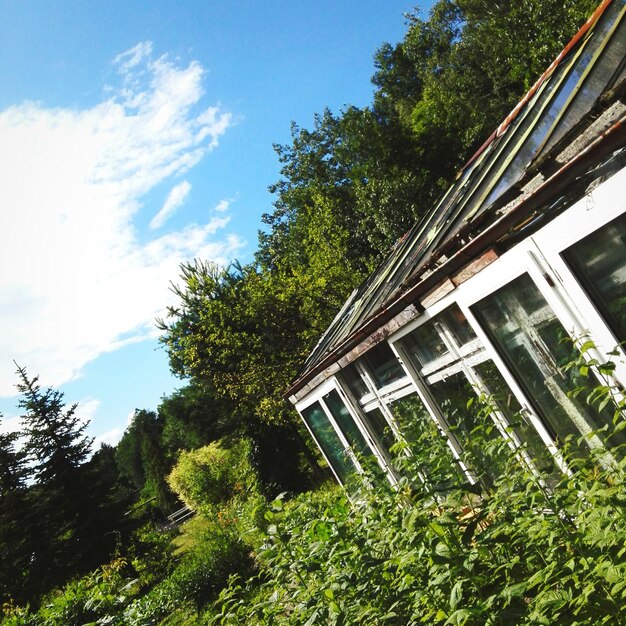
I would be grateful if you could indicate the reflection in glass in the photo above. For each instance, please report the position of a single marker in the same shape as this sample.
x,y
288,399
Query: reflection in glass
x,y
381,429
417,426
355,382
328,441
383,365
471,428
536,347
424,345
508,405
351,432
346,423
457,324
599,263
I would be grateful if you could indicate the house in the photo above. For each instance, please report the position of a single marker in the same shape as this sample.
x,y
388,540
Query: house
x,y
526,249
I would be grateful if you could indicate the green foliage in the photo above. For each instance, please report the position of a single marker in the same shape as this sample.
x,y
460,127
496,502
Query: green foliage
x,y
197,579
71,520
97,598
13,510
192,417
142,459
206,478
519,554
239,333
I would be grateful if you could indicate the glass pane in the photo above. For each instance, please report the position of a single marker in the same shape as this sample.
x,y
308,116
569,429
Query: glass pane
x,y
431,452
346,423
453,394
508,405
424,345
599,263
457,324
379,426
548,117
599,77
328,441
536,347
355,383
383,365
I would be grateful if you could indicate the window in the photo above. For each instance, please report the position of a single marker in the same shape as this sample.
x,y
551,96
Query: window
x,y
346,423
536,347
383,365
599,263
416,424
328,441
448,356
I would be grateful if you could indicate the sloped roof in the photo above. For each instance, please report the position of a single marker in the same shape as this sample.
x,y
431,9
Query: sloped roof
x,y
517,160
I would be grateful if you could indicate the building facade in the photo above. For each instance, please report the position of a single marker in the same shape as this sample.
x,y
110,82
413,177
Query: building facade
x,y
518,267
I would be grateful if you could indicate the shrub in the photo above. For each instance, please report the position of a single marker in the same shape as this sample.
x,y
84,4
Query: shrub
x,y
518,553
196,581
210,476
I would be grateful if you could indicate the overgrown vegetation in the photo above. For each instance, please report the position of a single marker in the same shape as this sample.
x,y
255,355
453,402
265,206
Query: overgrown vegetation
x,y
441,552
516,553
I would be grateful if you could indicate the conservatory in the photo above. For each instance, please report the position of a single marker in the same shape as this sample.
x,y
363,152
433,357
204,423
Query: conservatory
x,y
526,249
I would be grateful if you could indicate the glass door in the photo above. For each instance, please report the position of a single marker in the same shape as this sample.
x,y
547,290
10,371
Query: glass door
x,y
538,351
584,250
538,302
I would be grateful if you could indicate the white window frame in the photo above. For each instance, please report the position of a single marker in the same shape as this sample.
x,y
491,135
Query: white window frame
x,y
317,395
539,257
464,358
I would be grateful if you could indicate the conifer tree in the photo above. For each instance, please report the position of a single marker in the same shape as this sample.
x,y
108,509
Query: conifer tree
x,y
61,506
13,510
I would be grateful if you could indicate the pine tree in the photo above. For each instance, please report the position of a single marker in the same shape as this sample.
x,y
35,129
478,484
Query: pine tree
x,y
13,510
61,506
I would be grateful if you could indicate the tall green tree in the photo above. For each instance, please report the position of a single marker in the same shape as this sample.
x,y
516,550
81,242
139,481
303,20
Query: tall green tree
x,y
141,457
57,448
14,552
240,334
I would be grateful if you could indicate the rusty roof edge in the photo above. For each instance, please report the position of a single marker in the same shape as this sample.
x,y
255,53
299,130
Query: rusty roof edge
x,y
599,148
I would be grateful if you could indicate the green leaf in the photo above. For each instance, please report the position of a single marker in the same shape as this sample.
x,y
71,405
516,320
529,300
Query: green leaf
x,y
456,594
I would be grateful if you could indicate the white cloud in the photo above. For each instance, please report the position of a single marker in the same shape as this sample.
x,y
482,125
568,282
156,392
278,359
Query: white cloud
x,y
133,57
175,199
222,205
87,409
10,424
110,437
75,281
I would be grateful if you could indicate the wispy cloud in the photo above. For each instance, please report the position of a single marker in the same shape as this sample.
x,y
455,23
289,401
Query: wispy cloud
x,y
175,199
75,281
223,205
87,409
10,424
110,437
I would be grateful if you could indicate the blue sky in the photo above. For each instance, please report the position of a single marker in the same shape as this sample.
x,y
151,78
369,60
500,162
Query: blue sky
x,y
135,136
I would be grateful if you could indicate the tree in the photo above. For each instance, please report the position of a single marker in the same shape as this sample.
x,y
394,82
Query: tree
x,y
14,537
141,458
240,335
192,417
57,448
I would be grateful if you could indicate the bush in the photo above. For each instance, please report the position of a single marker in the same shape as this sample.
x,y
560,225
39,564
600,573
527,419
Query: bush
x,y
196,581
211,476
518,553
97,598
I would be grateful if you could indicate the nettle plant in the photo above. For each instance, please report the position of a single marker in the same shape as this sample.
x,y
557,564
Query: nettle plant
x,y
517,548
